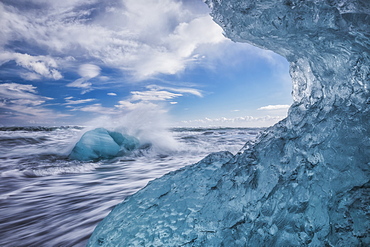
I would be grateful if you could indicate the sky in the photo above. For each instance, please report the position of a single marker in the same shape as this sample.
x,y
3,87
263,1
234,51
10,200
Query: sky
x,y
71,62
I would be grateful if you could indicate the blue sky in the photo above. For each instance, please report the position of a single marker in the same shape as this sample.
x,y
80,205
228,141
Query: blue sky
x,y
73,61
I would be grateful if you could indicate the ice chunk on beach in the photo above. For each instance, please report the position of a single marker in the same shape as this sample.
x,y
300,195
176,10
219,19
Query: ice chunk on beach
x,y
100,144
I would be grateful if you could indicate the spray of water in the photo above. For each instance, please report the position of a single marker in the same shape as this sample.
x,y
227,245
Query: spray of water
x,y
149,123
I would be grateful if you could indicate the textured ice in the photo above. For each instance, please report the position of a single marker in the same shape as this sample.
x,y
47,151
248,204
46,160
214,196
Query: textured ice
x,y
100,144
305,181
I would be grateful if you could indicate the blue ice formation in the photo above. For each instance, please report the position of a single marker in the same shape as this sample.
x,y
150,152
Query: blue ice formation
x,y
101,144
306,180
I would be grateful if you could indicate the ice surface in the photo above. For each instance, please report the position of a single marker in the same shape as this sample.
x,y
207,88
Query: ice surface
x,y
100,144
305,181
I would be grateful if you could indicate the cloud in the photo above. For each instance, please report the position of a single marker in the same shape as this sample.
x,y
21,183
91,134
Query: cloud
x,y
141,37
130,106
112,94
189,35
176,52
141,99
152,98
274,107
80,83
16,91
246,121
23,103
193,91
39,66
155,94
87,71
69,101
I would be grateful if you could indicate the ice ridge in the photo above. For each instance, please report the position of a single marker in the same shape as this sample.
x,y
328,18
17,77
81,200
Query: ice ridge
x,y
305,181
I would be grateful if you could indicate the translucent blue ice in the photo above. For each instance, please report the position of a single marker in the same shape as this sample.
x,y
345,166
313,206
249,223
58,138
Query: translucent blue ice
x,y
305,181
100,144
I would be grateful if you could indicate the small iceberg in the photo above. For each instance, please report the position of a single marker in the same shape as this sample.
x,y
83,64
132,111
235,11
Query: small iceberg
x,y
101,144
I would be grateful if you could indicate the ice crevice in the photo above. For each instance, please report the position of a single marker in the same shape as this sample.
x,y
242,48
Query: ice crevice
x,y
305,181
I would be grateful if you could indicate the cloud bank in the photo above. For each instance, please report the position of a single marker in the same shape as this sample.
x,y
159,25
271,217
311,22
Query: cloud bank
x,y
142,37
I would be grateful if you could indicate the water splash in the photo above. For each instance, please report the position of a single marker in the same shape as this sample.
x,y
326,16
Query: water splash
x,y
147,122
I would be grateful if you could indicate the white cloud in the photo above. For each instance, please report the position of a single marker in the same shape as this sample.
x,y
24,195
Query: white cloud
x,y
24,104
274,107
153,98
246,121
69,101
174,53
89,70
40,66
15,91
112,94
145,98
30,76
189,35
130,106
80,83
153,95
193,91
142,37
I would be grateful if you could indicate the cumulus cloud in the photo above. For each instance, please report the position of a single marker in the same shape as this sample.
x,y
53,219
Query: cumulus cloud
x,y
274,107
112,94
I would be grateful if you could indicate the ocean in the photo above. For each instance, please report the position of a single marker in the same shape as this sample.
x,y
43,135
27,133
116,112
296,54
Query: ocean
x,y
48,200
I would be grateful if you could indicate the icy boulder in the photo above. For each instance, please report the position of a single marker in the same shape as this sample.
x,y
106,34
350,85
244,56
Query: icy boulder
x,y
306,180
100,144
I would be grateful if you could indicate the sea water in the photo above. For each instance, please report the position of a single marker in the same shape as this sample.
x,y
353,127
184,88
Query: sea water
x,y
48,200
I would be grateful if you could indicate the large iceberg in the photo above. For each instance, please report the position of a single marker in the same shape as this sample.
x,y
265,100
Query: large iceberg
x,y
100,144
305,181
